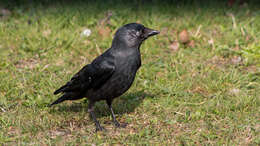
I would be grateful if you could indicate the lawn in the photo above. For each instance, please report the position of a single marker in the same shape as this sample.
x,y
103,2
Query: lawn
x,y
205,91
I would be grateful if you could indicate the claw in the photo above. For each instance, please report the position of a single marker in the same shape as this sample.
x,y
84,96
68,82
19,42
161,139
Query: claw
x,y
100,128
118,125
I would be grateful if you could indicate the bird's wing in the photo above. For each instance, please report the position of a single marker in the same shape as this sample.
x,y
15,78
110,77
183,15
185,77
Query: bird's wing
x,y
93,75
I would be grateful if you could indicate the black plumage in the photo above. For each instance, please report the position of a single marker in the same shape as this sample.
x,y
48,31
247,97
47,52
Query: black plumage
x,y
110,74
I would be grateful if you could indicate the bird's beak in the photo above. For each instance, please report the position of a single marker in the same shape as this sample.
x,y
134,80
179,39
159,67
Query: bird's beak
x,y
150,32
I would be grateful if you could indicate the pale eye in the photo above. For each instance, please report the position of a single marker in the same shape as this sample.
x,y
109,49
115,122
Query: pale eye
x,y
138,33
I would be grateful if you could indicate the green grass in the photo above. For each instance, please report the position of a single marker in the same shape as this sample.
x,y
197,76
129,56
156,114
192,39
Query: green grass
x,y
206,94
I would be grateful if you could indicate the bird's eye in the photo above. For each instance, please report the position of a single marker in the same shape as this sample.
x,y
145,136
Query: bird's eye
x,y
138,33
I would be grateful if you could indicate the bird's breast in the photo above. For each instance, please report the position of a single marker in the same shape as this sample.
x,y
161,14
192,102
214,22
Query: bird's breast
x,y
126,68
129,62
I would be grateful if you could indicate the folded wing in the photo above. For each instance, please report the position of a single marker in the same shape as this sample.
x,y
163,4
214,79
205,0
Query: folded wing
x,y
93,75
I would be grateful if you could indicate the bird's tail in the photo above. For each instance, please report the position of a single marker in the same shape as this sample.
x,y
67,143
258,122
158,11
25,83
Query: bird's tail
x,y
61,99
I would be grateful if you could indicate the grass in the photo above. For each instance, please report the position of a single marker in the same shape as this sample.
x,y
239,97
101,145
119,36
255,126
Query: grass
x,y
204,93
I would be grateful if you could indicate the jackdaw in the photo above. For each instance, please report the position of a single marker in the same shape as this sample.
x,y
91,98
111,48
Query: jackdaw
x,y
111,74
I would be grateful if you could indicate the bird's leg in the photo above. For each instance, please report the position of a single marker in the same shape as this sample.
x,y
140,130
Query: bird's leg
x,y
92,114
117,124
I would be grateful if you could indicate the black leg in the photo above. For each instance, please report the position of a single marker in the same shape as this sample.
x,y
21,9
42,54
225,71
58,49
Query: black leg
x,y
92,114
117,124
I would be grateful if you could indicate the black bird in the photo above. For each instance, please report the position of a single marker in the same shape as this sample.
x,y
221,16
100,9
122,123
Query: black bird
x,y
111,74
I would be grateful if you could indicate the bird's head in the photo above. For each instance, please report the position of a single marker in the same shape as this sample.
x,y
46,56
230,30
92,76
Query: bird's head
x,y
132,35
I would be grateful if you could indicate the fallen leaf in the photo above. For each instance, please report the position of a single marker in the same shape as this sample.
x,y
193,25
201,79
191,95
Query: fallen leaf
x,y
236,60
174,46
106,19
184,36
104,31
192,44
211,41
252,69
164,31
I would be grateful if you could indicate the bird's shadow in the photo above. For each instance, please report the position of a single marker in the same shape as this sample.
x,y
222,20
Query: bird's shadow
x,y
121,105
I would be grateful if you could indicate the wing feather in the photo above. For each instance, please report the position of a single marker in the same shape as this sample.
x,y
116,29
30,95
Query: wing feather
x,y
92,75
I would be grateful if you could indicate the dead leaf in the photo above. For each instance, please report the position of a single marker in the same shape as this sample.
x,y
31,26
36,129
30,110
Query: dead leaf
x,y
200,90
211,41
252,69
217,61
192,44
104,31
174,46
184,36
106,19
59,62
164,31
236,60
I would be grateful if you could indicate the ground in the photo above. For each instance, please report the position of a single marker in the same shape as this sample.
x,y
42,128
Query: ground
x,y
202,89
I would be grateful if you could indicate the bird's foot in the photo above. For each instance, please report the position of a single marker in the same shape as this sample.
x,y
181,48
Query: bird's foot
x,y
100,128
118,125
